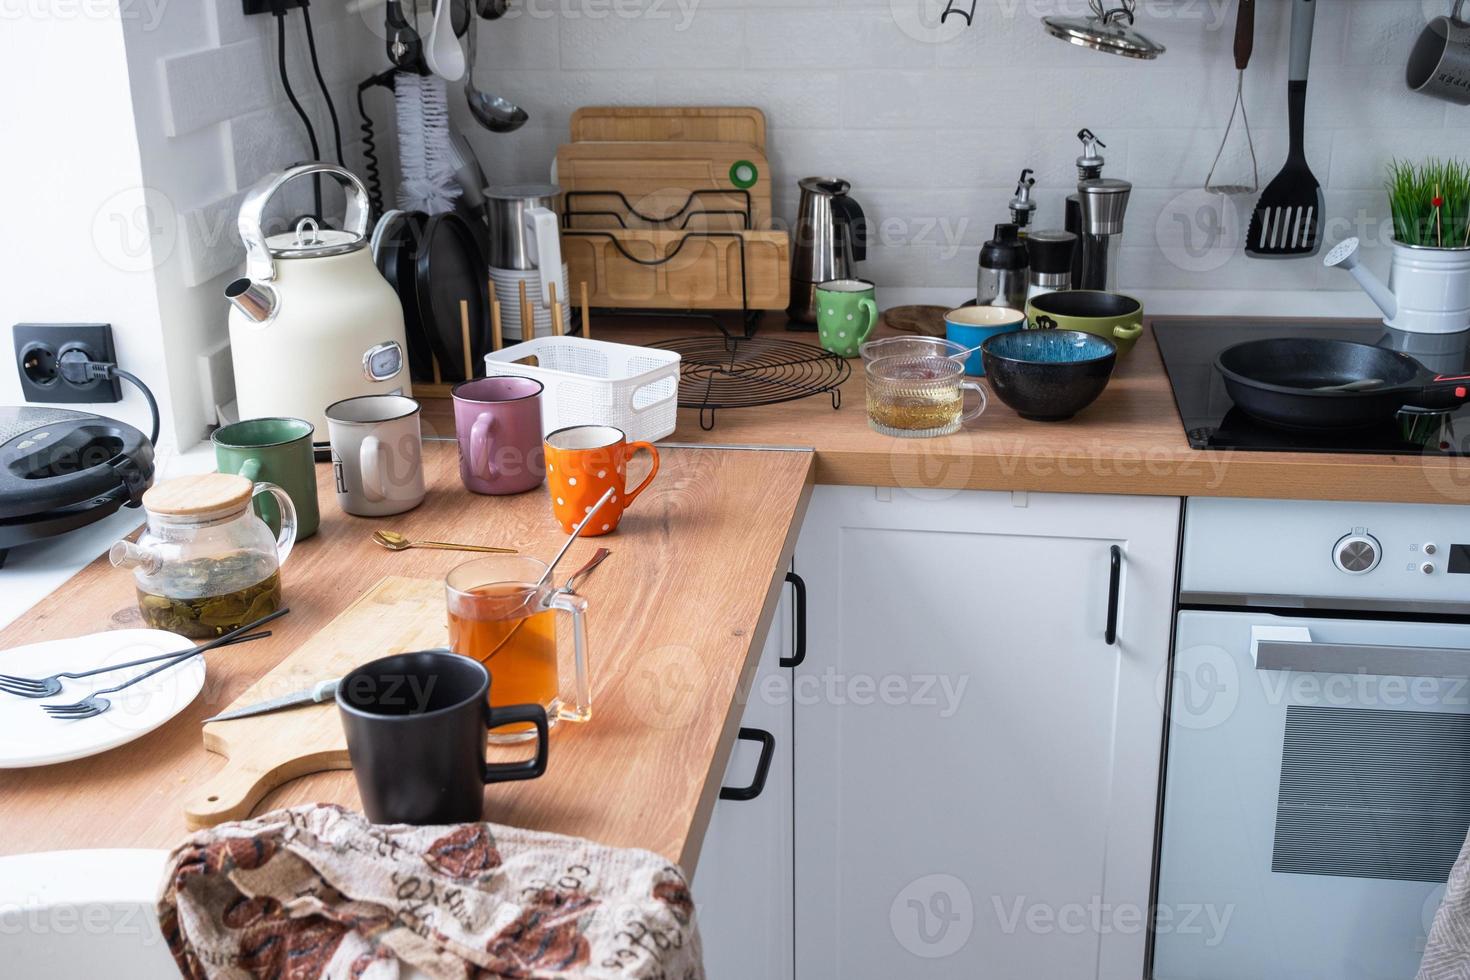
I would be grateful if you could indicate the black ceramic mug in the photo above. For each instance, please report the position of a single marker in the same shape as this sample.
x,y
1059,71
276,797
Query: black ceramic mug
x,y
416,727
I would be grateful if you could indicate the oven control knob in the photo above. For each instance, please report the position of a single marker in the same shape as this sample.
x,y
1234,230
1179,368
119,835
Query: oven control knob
x,y
1356,554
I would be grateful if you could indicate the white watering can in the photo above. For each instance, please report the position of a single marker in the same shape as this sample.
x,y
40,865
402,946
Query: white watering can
x,y
1428,288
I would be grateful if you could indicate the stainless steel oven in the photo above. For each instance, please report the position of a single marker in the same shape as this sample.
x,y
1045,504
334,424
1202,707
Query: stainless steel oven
x,y
1317,783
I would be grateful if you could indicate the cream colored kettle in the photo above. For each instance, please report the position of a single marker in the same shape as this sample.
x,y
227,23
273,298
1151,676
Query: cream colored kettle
x,y
313,321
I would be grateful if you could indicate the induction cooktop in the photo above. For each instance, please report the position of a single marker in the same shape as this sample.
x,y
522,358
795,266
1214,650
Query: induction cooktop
x,y
1211,421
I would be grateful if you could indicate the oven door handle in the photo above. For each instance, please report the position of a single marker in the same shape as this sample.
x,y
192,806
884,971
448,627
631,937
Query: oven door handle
x,y
1361,658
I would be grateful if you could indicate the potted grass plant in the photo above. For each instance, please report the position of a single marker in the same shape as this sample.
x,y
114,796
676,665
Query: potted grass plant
x,y
1428,288
1430,203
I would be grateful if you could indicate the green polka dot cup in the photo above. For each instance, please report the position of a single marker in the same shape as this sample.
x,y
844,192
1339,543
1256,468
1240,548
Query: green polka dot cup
x,y
846,315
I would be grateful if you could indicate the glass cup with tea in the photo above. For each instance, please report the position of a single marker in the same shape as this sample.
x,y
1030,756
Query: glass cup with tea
x,y
918,396
499,617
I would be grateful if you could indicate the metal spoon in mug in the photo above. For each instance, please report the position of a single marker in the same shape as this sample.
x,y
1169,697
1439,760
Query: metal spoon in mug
x,y
965,353
569,586
550,568
574,579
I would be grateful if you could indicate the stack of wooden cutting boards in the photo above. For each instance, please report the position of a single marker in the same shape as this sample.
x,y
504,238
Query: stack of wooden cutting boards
x,y
670,208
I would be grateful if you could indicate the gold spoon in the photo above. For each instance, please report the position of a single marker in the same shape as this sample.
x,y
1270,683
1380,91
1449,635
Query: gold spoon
x,y
394,541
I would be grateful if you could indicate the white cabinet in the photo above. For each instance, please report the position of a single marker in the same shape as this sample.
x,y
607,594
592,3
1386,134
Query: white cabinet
x,y
978,766
743,881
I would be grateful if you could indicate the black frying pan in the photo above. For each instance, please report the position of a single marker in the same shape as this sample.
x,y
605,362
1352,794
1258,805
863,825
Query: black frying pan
x,y
1278,382
449,267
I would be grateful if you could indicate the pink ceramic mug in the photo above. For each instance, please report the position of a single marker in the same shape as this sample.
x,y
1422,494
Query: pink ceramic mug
x,y
498,421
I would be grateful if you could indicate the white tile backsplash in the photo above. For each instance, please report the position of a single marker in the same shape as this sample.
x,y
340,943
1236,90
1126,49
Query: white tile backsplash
x,y
933,122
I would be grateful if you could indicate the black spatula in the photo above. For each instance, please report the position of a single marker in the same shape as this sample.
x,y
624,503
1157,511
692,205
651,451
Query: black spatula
x,y
1287,222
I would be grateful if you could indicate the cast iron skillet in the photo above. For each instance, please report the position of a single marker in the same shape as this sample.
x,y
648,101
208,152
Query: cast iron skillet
x,y
450,268
1275,380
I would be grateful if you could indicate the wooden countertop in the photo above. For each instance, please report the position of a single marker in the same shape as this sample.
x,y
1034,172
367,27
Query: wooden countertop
x,y
1129,441
678,616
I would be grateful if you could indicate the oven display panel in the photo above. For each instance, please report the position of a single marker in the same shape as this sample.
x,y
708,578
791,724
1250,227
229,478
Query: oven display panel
x,y
1460,559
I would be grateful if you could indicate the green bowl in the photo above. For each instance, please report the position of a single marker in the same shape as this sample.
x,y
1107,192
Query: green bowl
x,y
1112,316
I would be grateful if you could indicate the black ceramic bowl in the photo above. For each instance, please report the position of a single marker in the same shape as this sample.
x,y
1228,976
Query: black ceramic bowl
x,y
1048,375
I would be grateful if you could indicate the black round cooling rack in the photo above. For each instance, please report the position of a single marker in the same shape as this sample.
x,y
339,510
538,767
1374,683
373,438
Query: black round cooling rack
x,y
733,372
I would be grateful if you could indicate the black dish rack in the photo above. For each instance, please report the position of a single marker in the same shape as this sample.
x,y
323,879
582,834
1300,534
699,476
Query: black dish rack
x,y
677,220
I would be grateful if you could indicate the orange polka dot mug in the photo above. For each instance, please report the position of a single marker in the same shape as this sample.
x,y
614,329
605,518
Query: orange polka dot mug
x,y
582,462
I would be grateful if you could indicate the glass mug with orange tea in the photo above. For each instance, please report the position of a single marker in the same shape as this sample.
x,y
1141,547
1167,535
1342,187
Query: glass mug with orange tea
x,y
499,617
582,463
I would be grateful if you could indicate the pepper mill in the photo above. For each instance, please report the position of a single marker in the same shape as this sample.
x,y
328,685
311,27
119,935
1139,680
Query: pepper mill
x,y
1050,253
1104,202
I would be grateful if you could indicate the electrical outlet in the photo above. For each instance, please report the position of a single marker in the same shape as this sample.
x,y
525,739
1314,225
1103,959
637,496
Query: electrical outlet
x,y
38,346
268,6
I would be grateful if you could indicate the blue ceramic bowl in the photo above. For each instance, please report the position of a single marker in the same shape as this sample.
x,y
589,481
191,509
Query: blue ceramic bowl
x,y
970,326
1048,375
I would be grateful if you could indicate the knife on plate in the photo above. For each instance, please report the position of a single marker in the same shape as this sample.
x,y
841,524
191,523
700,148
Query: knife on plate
x,y
316,694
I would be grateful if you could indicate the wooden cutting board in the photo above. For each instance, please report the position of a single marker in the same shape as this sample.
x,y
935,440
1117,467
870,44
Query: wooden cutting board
x,y
701,274
657,178
733,124
395,615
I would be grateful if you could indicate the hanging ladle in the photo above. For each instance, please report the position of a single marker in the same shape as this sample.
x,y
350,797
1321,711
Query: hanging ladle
x,y
491,111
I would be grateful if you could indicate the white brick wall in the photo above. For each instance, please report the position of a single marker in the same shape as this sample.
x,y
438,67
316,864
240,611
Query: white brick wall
x,y
212,119
932,125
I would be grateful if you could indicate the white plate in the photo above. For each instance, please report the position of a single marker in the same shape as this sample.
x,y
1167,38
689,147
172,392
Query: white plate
x,y
30,737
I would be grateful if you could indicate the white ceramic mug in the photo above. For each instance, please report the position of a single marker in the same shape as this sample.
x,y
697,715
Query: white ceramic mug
x,y
377,454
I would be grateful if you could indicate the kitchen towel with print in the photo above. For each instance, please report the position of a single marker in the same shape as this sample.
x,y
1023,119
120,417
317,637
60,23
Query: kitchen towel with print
x,y
1447,954
318,891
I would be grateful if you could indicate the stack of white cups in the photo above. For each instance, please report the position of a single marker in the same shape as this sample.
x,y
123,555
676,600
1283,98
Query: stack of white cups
x,y
508,292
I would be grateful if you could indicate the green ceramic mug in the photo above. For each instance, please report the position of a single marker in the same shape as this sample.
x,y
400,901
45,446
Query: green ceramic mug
x,y
846,315
274,451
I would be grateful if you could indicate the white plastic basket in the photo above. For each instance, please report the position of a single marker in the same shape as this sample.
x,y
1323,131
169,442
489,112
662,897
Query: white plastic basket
x,y
593,382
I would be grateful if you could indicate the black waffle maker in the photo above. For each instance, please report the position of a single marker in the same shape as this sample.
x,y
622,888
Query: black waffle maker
x,y
61,470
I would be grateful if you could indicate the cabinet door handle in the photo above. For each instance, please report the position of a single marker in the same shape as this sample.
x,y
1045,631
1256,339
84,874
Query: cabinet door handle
x,y
762,767
1115,579
798,586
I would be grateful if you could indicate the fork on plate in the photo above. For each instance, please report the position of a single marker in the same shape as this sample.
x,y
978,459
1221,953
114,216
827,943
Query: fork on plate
x,y
45,687
94,704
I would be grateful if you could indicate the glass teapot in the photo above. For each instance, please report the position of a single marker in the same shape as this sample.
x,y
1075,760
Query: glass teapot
x,y
206,564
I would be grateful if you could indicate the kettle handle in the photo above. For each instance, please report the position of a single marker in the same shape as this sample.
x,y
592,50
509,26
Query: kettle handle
x,y
259,265
850,213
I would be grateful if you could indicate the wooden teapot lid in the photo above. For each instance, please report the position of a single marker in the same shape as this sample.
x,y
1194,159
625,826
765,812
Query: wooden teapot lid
x,y
196,496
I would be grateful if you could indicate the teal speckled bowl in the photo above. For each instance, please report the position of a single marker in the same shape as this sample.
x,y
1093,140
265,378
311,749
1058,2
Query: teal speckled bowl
x,y
1048,375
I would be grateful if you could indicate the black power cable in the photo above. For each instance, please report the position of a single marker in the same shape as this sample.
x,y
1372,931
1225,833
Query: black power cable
x,y
316,68
278,8
77,368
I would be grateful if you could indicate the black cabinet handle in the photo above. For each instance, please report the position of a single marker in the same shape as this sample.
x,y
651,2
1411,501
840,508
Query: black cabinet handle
x,y
1115,577
799,653
762,766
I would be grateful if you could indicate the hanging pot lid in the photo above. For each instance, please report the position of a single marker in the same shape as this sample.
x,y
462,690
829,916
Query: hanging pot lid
x,y
1111,31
